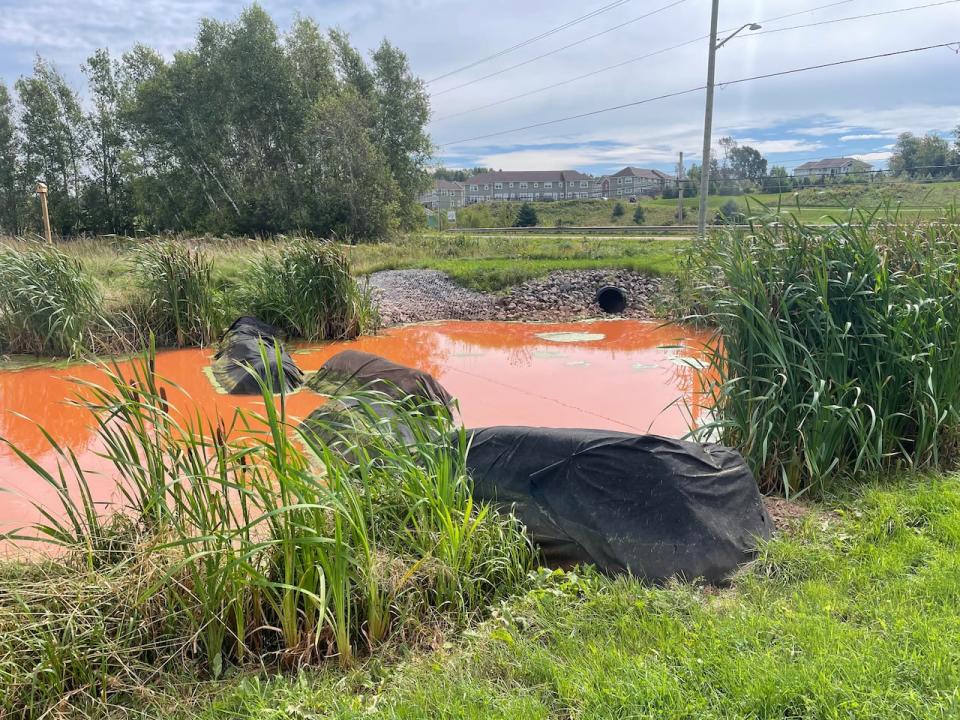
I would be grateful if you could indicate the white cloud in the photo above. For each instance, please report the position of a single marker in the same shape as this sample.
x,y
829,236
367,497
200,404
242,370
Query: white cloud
x,y
786,145
823,131
879,156
866,136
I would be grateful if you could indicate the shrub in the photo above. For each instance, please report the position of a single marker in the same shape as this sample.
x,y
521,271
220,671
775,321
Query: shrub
x,y
526,216
639,215
840,348
259,546
47,303
305,288
618,210
729,212
183,305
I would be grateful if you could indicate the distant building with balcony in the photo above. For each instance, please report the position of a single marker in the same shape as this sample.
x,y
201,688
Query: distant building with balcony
x,y
528,185
831,167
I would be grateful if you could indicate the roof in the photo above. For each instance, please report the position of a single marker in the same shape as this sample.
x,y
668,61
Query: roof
x,y
828,163
447,185
645,173
528,176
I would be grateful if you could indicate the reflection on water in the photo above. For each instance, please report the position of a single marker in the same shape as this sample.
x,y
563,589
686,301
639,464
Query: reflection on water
x,y
619,375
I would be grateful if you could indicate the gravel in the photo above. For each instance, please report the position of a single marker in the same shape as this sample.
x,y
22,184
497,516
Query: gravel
x,y
406,296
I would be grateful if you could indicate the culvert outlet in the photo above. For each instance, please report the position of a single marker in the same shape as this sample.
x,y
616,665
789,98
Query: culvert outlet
x,y
612,300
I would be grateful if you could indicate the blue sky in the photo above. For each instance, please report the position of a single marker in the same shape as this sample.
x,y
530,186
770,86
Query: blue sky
x,y
854,110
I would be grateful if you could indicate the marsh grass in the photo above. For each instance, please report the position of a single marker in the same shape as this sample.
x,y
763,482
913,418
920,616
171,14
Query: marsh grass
x,y
839,348
183,303
305,288
248,540
47,302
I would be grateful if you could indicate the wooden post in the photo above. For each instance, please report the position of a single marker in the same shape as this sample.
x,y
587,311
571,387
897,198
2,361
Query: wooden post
x,y
42,193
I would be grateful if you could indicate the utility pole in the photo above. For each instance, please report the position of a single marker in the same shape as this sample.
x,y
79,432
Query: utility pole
x,y
42,194
680,190
708,122
708,111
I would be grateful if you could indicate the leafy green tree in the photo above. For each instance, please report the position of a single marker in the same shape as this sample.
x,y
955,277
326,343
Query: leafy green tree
x,y
353,193
11,202
107,198
747,162
311,60
402,111
54,132
526,216
618,210
639,215
930,155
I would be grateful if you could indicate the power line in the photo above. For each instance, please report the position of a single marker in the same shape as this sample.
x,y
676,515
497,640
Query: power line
x,y
532,40
847,19
628,62
677,93
560,49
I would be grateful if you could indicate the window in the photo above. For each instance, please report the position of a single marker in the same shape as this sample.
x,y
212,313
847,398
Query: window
x,y
628,180
523,186
486,186
620,181
498,186
548,184
474,187
583,183
536,185
511,184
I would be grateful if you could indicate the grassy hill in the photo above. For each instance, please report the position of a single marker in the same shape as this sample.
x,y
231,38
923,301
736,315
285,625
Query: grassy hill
x,y
811,204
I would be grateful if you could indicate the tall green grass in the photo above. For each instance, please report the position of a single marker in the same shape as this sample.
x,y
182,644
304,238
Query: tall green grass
x,y
305,288
47,302
839,349
184,305
248,540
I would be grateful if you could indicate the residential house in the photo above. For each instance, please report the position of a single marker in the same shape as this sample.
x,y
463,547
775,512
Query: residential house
x,y
631,181
527,185
444,195
830,167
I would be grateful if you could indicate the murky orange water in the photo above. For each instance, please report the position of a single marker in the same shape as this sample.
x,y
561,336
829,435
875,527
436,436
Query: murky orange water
x,y
619,374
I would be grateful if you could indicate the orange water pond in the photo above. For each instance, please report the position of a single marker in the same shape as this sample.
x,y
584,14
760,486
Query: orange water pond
x,y
620,375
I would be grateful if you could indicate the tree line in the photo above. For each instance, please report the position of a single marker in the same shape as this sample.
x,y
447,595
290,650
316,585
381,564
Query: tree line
x,y
251,131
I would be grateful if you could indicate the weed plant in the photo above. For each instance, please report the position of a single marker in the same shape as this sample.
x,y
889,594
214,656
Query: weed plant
x,y
839,348
183,303
249,541
305,288
47,302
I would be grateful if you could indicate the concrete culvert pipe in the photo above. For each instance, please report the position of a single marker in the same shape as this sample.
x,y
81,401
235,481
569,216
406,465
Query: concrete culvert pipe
x,y
612,300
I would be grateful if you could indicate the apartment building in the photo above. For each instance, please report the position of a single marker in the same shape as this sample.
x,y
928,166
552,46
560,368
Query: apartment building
x,y
528,185
444,195
630,182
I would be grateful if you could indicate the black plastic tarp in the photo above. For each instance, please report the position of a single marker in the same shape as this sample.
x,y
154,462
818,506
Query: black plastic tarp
x,y
238,365
353,370
651,506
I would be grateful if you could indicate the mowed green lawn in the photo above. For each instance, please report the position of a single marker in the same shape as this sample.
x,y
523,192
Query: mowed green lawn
x,y
816,205
854,612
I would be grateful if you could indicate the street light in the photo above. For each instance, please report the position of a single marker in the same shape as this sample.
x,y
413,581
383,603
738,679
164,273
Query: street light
x,y
708,112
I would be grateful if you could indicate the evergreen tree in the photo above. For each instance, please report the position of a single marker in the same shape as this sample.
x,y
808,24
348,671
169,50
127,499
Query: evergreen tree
x,y
526,216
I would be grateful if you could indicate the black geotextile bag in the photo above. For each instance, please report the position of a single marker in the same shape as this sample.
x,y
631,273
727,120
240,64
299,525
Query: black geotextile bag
x,y
240,352
352,370
644,504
